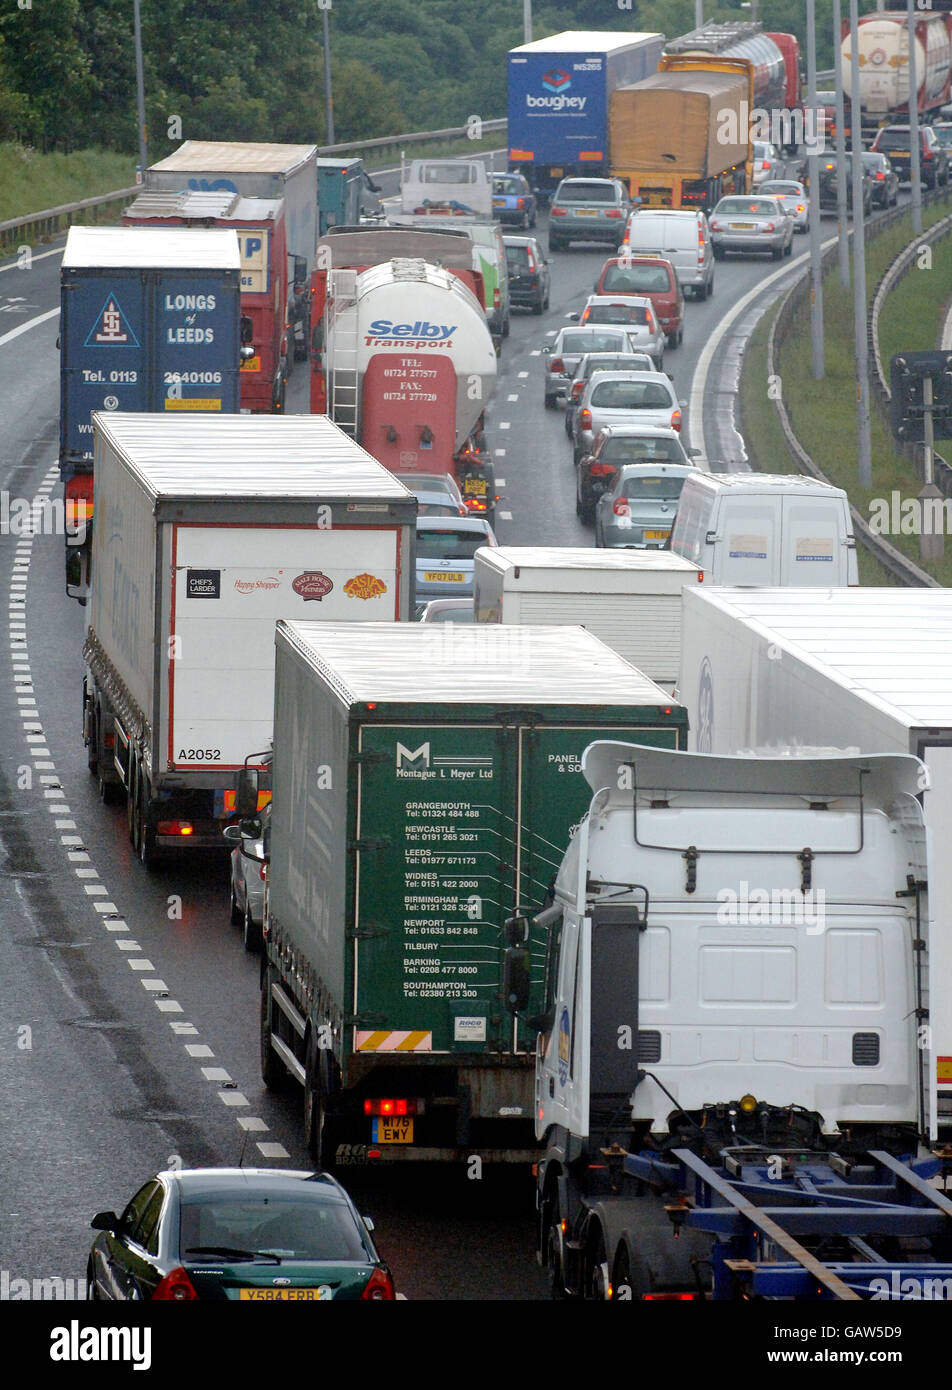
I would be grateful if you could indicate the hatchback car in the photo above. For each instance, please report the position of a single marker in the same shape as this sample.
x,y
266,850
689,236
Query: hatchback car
x,y
435,490
447,610
894,141
827,184
656,279
624,398
601,362
632,312
445,548
639,511
250,1235
751,224
795,200
514,203
616,448
561,359
248,861
529,278
588,210
883,177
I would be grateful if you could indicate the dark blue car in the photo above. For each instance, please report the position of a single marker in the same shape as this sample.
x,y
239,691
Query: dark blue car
x,y
514,202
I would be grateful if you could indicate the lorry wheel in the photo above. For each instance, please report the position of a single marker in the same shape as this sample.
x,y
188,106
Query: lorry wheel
x,y
553,1261
250,931
145,833
132,777
597,1277
108,791
273,1071
320,1139
92,741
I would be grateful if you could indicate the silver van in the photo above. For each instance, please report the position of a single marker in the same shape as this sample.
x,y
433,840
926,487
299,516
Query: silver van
x,y
682,236
761,529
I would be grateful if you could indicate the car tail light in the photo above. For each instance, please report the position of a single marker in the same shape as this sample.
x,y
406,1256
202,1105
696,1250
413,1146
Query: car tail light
x,y
557,365
175,827
880,174
801,207
620,507
715,226
379,1288
675,419
79,498
585,314
520,202
769,227
263,872
585,419
176,1287
668,1297
557,212
476,504
649,319
614,212
700,576
602,470
765,164
496,299
530,259
393,1105
578,390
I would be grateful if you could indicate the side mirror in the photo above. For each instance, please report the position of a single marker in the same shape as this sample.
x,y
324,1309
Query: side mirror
x,y
573,317
546,352
369,1223
232,833
77,572
515,978
105,1221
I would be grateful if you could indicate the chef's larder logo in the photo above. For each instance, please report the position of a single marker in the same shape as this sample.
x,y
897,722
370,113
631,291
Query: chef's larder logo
x,y
365,586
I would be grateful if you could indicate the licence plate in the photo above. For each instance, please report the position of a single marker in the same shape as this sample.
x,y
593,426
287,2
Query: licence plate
x,y
443,576
320,1295
586,212
251,364
743,226
474,487
393,1129
657,535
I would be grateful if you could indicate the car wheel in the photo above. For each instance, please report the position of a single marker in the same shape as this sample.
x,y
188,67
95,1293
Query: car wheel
x,y
718,253
524,223
555,244
539,305
673,341
777,253
550,402
568,424
788,249
250,931
236,913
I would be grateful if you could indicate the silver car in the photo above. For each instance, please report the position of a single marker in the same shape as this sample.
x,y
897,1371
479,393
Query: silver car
x,y
447,610
638,512
624,398
571,343
633,312
795,199
587,210
437,492
600,362
248,880
445,551
751,222
768,163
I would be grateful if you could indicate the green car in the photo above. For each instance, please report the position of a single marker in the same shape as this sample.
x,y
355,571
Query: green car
x,y
253,1235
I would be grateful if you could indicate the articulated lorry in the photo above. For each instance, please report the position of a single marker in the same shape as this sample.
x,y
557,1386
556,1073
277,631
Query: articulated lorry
x,y
209,530
682,138
424,779
259,223
256,171
857,670
149,320
345,193
733,1080
402,359
883,41
559,94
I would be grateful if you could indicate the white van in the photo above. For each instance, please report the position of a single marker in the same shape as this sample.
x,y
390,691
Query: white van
x,y
757,529
682,236
455,185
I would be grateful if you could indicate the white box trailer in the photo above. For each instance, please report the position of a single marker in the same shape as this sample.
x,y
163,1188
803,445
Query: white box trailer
x,y
210,529
629,599
860,670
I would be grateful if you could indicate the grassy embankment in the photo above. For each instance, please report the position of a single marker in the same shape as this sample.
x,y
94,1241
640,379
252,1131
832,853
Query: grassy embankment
x,y
823,412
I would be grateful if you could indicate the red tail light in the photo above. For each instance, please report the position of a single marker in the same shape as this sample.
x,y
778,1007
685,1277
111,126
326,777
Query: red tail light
x,y
649,319
675,419
530,258
620,507
614,212
496,299
715,226
801,207
584,318
379,1288
585,419
880,174
766,164
176,1287
557,365
578,390
770,227
602,470
668,1297
520,202
79,498
395,1105
174,827
557,212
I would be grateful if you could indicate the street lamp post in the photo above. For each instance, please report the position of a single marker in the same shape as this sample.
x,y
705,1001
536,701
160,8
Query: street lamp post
x,y
328,96
140,92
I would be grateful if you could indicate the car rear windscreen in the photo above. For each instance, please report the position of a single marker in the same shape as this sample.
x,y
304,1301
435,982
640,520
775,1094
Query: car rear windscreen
x,y
271,1224
635,362
616,313
517,257
586,193
749,207
448,543
893,140
653,489
636,279
630,395
641,451
591,342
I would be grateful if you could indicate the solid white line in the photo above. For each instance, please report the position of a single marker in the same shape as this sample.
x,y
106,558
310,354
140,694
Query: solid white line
x,y
25,327
699,380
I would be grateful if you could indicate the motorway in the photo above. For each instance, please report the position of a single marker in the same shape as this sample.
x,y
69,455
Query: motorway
x,y
128,1008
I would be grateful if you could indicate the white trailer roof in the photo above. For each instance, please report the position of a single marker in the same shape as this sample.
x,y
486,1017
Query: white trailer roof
x,y
152,248
586,41
457,664
538,561
233,157
192,203
267,456
797,483
892,647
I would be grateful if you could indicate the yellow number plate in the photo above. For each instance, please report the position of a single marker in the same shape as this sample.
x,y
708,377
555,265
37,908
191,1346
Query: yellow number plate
x,y
585,212
393,1129
475,487
743,226
320,1295
251,364
447,576
657,535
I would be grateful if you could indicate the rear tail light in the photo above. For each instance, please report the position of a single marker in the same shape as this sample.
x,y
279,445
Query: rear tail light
x,y
800,207
770,227
530,259
578,390
585,419
176,1287
584,318
675,419
175,827
715,226
649,319
79,499
496,298
614,212
557,365
263,872
557,212
880,174
520,202
668,1297
766,164
602,470
379,1288
620,507
393,1105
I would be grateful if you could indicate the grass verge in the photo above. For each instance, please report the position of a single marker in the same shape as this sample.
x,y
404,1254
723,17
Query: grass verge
x,y
31,182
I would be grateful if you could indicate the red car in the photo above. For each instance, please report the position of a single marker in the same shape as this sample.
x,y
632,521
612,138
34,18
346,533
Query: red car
x,y
656,279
